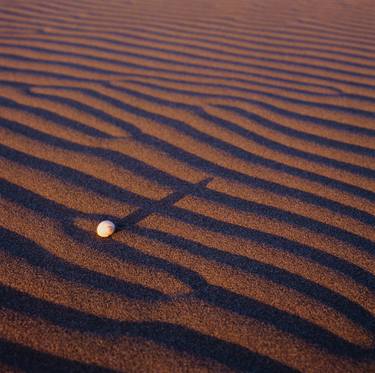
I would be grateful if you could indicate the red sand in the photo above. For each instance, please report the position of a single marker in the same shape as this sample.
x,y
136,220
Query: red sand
x,y
233,144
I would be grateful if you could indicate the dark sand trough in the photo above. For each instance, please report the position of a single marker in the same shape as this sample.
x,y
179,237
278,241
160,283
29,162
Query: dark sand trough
x,y
233,144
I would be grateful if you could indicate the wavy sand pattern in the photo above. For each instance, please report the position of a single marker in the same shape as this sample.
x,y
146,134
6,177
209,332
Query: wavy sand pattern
x,y
233,143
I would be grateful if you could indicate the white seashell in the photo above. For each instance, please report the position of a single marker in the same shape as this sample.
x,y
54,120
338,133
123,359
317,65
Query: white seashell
x,y
105,228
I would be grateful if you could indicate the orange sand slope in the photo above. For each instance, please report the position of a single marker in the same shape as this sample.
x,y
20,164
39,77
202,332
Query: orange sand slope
x,y
233,144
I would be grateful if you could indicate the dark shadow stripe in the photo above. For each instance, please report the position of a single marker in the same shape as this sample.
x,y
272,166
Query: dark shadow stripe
x,y
29,360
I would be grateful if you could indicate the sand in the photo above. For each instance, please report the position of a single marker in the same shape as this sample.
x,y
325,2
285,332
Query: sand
x,y
232,142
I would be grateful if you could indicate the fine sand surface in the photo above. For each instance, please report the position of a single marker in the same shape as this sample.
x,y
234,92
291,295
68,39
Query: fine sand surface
x,y
233,144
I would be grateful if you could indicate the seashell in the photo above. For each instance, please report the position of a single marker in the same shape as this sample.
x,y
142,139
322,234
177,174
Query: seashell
x,y
105,228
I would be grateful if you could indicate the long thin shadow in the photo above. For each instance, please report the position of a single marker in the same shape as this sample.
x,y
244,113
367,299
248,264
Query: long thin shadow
x,y
357,273
172,336
161,205
21,247
27,359
165,179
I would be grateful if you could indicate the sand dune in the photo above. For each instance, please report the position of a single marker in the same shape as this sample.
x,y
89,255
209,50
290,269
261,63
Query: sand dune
x,y
233,144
